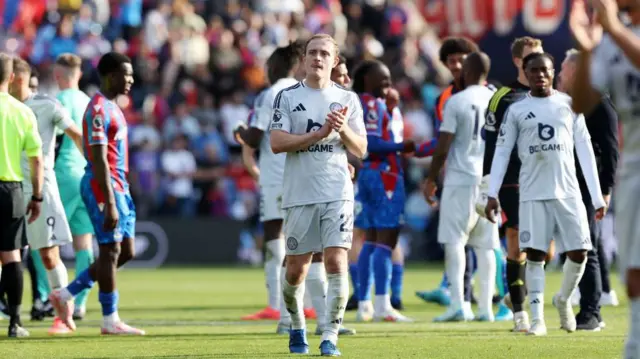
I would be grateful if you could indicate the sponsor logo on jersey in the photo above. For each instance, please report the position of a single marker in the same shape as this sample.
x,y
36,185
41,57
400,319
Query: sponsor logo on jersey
x,y
545,132
318,148
547,147
313,126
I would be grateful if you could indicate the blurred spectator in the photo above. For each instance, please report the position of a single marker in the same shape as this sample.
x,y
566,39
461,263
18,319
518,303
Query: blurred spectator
x,y
181,122
178,167
199,64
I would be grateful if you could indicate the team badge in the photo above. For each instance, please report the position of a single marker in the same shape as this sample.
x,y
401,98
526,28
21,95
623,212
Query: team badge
x,y
335,106
292,243
525,236
98,122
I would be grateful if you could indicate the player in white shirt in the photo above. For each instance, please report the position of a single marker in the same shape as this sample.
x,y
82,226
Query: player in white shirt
x,y
546,131
51,229
284,70
317,191
612,64
461,145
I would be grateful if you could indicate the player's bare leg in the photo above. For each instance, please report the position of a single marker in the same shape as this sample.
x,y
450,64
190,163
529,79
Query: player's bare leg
x,y
397,277
354,253
274,256
83,248
386,241
516,268
336,264
293,295
365,305
58,278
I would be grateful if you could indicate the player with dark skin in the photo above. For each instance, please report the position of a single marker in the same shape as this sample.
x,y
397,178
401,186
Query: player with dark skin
x,y
377,82
474,72
540,73
112,255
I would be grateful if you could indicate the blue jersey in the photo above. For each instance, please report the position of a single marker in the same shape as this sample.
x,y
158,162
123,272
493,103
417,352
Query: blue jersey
x,y
380,196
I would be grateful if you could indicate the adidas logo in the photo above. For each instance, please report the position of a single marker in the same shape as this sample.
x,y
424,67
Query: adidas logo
x,y
535,301
300,107
530,116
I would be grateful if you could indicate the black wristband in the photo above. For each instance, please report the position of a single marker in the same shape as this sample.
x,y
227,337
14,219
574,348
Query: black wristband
x,y
36,199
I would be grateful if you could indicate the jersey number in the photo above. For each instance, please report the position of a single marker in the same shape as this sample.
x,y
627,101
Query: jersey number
x,y
347,223
476,122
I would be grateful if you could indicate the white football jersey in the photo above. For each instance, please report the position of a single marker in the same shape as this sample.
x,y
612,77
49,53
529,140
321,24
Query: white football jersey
x,y
613,73
546,130
318,174
464,117
271,165
51,116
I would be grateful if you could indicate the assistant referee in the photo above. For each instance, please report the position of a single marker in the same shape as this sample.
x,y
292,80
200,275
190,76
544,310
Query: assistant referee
x,y
18,134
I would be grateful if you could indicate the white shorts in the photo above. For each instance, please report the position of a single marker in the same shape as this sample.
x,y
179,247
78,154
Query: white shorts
x,y
563,220
270,203
314,227
51,229
627,217
459,221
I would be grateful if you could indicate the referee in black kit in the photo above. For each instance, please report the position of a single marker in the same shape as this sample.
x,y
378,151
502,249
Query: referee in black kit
x,y
602,124
18,134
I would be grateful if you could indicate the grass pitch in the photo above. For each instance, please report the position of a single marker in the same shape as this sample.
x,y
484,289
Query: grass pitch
x,y
194,313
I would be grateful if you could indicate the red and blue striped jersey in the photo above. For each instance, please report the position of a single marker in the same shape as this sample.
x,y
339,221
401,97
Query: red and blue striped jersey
x,y
104,125
383,147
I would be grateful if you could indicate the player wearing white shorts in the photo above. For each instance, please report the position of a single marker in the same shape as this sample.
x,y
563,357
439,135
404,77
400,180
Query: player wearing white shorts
x,y
460,142
611,65
51,229
547,131
317,190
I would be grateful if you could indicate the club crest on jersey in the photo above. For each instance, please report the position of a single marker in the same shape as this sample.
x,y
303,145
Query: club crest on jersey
x,y
335,106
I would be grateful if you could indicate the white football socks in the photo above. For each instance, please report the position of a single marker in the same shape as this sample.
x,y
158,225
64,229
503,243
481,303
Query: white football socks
x,y
293,300
275,253
58,276
338,294
632,344
285,317
571,274
486,276
454,267
316,286
535,288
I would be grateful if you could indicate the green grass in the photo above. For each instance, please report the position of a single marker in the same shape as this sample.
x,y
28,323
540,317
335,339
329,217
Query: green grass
x,y
194,313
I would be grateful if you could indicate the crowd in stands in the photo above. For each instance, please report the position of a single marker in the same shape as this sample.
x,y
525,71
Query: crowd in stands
x,y
199,65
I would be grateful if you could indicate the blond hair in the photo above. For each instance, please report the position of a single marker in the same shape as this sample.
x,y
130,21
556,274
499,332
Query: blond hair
x,y
69,61
323,37
519,44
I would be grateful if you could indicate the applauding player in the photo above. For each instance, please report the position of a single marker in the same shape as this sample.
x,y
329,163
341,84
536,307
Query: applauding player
x,y
317,191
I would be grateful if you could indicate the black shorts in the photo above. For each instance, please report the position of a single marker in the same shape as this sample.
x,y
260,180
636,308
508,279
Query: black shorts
x,y
13,224
510,203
